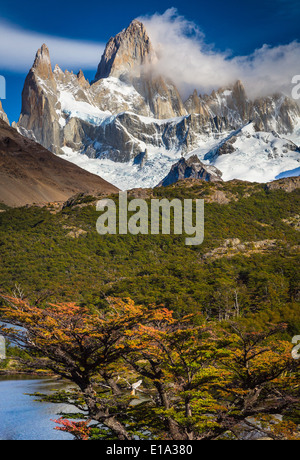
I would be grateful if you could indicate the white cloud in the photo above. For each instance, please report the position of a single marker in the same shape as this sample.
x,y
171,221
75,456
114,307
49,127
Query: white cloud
x,y
18,48
270,69
184,56
191,63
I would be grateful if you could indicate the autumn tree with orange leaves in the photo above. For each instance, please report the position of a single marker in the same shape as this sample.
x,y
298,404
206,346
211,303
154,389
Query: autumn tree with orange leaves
x,y
137,372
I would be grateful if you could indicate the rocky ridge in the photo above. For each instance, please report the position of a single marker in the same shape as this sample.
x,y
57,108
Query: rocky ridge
x,y
191,168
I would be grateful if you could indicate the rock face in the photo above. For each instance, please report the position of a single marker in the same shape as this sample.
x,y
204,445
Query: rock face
x,y
40,102
274,144
288,185
129,109
191,168
31,174
126,54
129,57
3,115
273,113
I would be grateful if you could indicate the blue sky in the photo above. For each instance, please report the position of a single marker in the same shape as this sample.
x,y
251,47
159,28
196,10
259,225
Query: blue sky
x,y
235,28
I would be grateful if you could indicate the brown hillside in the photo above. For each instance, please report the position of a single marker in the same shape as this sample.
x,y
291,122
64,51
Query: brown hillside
x,y
31,174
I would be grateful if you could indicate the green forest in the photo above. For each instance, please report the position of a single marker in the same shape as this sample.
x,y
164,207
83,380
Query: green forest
x,y
198,337
248,263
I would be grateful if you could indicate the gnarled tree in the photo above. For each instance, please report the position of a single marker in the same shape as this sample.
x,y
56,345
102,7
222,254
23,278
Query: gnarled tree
x,y
198,381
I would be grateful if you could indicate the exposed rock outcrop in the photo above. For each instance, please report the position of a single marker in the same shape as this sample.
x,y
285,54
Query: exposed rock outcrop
x,y
191,168
287,184
233,247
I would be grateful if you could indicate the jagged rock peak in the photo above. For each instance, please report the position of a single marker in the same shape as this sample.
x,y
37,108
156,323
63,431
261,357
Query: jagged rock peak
x,y
238,87
82,80
235,90
57,69
126,52
80,74
42,63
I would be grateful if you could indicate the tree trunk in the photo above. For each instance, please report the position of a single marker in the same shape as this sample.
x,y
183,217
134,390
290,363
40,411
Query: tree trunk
x,y
174,431
102,416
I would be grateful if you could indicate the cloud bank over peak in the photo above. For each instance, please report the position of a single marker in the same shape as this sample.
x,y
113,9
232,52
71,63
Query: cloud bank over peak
x,y
18,47
186,58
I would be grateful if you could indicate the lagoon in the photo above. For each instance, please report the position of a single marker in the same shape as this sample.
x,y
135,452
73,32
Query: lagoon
x,y
24,418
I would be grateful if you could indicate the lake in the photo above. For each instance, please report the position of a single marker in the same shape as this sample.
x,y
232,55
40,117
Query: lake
x,y
23,418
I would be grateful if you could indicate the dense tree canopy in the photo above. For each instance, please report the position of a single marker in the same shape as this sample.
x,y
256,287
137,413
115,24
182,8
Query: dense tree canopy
x,y
57,254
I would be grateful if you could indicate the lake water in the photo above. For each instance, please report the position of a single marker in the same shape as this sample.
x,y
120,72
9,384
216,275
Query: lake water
x,y
23,418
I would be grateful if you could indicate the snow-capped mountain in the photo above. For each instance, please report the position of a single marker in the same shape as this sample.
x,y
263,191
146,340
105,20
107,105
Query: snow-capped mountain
x,y
130,125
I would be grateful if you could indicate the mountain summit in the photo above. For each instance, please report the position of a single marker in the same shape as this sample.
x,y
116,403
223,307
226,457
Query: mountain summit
x,y
42,63
129,57
126,53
